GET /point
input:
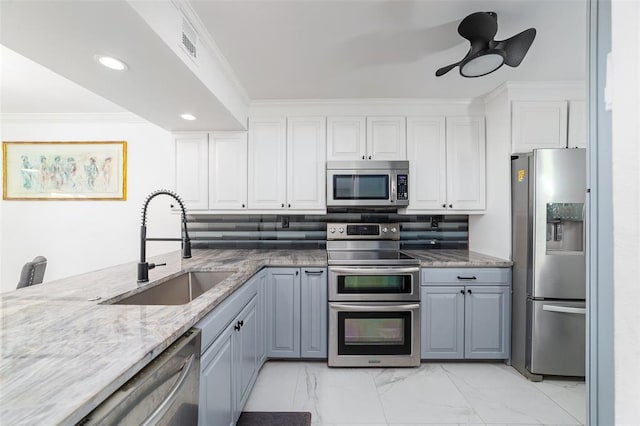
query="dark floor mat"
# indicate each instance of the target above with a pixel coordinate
(274, 418)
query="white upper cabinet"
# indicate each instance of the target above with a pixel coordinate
(191, 160)
(346, 138)
(267, 164)
(306, 170)
(228, 170)
(370, 138)
(447, 171)
(386, 138)
(540, 124)
(466, 164)
(426, 148)
(577, 124)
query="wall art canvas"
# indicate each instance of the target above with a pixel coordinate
(64, 170)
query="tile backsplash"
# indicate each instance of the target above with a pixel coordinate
(309, 231)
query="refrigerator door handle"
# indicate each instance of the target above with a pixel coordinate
(564, 309)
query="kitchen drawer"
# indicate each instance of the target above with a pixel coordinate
(216, 321)
(465, 276)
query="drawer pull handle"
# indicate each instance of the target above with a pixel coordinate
(313, 272)
(467, 278)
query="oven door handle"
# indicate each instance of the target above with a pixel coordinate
(364, 307)
(364, 271)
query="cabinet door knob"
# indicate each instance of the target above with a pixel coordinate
(289, 205)
(297, 272)
(363, 157)
(444, 206)
(241, 323)
(469, 291)
(369, 157)
(283, 205)
(462, 292)
(450, 206)
(243, 206)
(237, 326)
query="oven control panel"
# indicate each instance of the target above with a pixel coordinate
(363, 231)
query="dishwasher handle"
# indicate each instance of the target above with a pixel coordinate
(164, 406)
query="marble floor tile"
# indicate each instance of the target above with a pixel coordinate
(568, 394)
(501, 397)
(435, 394)
(338, 395)
(422, 395)
(275, 387)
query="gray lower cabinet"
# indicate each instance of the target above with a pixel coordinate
(216, 382)
(460, 320)
(230, 361)
(313, 313)
(283, 317)
(261, 312)
(442, 322)
(297, 313)
(279, 313)
(245, 353)
(487, 316)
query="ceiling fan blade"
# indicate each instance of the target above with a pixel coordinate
(516, 47)
(442, 71)
(479, 26)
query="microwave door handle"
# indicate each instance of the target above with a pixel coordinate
(393, 188)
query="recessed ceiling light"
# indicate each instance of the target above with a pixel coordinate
(112, 63)
(187, 117)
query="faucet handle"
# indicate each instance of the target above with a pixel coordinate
(153, 265)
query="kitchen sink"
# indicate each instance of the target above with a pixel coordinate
(177, 290)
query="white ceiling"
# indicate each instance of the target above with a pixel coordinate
(64, 36)
(385, 49)
(28, 87)
(304, 49)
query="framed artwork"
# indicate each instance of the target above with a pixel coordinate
(64, 170)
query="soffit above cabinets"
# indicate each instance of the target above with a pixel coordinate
(158, 86)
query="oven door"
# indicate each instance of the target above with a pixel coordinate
(361, 283)
(374, 334)
(361, 188)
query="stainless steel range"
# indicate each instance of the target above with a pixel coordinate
(374, 297)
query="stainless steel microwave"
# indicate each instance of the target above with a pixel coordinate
(367, 183)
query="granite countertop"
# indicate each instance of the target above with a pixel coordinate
(62, 352)
(457, 259)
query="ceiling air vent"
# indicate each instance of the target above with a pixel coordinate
(189, 39)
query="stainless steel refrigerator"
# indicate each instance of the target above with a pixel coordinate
(548, 190)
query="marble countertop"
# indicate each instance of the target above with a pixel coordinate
(62, 351)
(457, 259)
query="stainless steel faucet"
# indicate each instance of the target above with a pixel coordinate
(143, 266)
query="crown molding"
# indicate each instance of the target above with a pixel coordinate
(534, 86)
(362, 101)
(116, 117)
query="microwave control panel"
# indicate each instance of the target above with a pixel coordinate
(403, 187)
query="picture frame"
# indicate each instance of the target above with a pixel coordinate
(64, 171)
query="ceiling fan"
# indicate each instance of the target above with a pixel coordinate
(486, 54)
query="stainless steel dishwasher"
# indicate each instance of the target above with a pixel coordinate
(165, 392)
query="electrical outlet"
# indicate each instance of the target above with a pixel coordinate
(434, 222)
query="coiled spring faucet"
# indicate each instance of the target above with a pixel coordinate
(143, 266)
